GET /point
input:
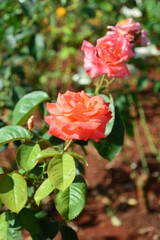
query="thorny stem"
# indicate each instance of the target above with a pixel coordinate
(146, 131)
(137, 135)
(68, 144)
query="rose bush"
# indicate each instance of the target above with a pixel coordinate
(78, 116)
(108, 56)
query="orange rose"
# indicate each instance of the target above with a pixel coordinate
(78, 116)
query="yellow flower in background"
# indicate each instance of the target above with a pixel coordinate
(60, 11)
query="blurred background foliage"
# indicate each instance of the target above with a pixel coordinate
(40, 44)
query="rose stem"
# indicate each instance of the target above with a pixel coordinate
(68, 144)
(98, 87)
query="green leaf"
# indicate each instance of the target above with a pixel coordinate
(29, 222)
(13, 133)
(109, 147)
(26, 105)
(26, 156)
(78, 157)
(13, 191)
(68, 233)
(46, 153)
(110, 124)
(62, 171)
(14, 234)
(3, 227)
(70, 202)
(43, 191)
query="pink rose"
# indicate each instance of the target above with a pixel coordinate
(108, 56)
(127, 28)
(131, 30)
(78, 116)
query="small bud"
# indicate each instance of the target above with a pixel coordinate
(30, 123)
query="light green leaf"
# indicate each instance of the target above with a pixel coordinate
(62, 171)
(13, 191)
(70, 202)
(3, 226)
(26, 156)
(110, 124)
(43, 191)
(46, 153)
(79, 157)
(26, 105)
(13, 133)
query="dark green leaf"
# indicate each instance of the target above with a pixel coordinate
(13, 133)
(68, 233)
(109, 147)
(26, 105)
(49, 229)
(70, 202)
(29, 222)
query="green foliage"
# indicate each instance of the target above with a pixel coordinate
(78, 157)
(13, 191)
(44, 190)
(29, 222)
(46, 153)
(27, 156)
(49, 229)
(68, 233)
(61, 171)
(3, 226)
(9, 227)
(70, 202)
(110, 124)
(13, 133)
(27, 105)
(40, 50)
(110, 146)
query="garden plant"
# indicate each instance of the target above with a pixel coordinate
(46, 164)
